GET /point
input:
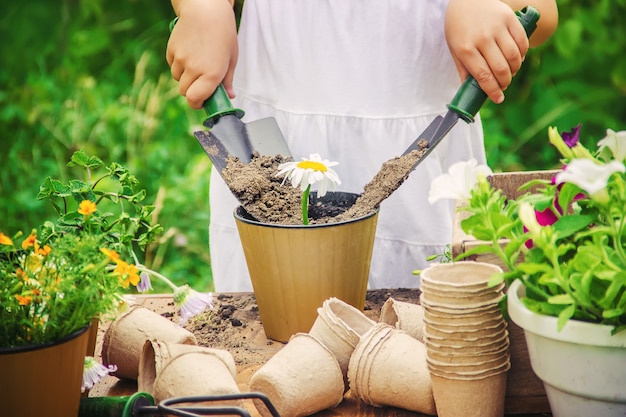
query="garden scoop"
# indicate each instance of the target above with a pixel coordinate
(464, 105)
(229, 137)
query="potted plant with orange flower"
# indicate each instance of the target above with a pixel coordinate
(57, 279)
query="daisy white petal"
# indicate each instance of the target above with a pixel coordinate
(191, 302)
(94, 371)
(311, 171)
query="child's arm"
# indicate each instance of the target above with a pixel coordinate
(202, 49)
(487, 40)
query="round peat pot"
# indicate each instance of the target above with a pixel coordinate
(582, 366)
(43, 379)
(295, 268)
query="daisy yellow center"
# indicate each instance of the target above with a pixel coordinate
(315, 166)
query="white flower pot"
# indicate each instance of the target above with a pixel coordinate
(583, 367)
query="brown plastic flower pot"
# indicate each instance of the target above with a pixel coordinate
(43, 380)
(294, 268)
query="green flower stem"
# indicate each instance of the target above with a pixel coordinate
(305, 205)
(156, 274)
(95, 184)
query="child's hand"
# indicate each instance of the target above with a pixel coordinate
(202, 49)
(486, 40)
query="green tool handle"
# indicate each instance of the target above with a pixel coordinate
(218, 104)
(125, 406)
(470, 97)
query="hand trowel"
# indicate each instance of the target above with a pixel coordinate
(464, 105)
(228, 136)
(466, 102)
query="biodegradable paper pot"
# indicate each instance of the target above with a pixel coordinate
(295, 268)
(501, 363)
(444, 288)
(339, 326)
(300, 379)
(157, 354)
(470, 398)
(461, 357)
(493, 332)
(468, 275)
(405, 316)
(389, 367)
(466, 304)
(124, 340)
(195, 373)
(43, 380)
(461, 299)
(453, 322)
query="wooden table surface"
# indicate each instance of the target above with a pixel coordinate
(525, 395)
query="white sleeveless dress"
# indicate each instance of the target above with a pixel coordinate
(356, 82)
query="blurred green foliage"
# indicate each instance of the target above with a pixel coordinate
(578, 76)
(91, 74)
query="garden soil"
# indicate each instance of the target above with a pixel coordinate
(233, 324)
(269, 199)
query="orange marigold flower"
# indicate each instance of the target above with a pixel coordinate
(45, 251)
(5, 240)
(114, 256)
(19, 272)
(24, 300)
(30, 240)
(128, 274)
(87, 207)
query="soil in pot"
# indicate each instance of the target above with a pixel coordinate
(268, 200)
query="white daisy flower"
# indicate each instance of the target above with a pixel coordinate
(93, 371)
(191, 302)
(307, 172)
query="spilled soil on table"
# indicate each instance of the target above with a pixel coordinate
(233, 324)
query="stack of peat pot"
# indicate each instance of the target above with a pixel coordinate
(466, 339)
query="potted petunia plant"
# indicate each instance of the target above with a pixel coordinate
(294, 267)
(564, 245)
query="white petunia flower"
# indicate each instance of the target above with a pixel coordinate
(191, 302)
(616, 142)
(588, 175)
(458, 182)
(93, 371)
(307, 172)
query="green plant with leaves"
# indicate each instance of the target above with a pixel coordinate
(81, 264)
(121, 218)
(49, 291)
(565, 240)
